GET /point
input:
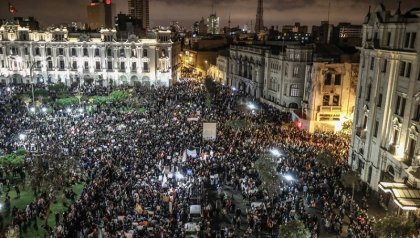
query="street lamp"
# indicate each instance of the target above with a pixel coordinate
(288, 177)
(22, 136)
(275, 152)
(252, 106)
(32, 109)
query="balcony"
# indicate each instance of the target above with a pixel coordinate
(361, 132)
(330, 108)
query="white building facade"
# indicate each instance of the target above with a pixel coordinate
(385, 141)
(284, 75)
(60, 56)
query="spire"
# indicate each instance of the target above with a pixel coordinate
(398, 12)
(229, 21)
(259, 23)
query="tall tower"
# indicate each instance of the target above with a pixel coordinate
(259, 23)
(139, 9)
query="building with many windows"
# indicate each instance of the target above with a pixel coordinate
(329, 96)
(385, 140)
(58, 55)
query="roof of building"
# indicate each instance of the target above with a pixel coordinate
(406, 197)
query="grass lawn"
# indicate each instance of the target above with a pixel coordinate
(26, 197)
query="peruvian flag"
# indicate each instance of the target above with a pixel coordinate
(12, 9)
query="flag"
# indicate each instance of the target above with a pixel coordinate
(12, 9)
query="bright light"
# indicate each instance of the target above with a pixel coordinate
(8, 89)
(80, 110)
(233, 89)
(339, 124)
(275, 152)
(32, 109)
(288, 177)
(400, 150)
(252, 106)
(44, 109)
(22, 136)
(68, 110)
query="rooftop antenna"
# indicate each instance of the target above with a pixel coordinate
(229, 21)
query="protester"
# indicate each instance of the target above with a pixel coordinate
(144, 169)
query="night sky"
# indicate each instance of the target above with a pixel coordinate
(276, 12)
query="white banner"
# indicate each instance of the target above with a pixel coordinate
(209, 131)
(192, 153)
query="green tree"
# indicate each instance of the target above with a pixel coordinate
(211, 86)
(350, 179)
(294, 229)
(100, 100)
(267, 172)
(119, 96)
(67, 101)
(13, 160)
(394, 227)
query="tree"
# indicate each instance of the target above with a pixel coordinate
(67, 101)
(326, 159)
(350, 179)
(267, 172)
(26, 99)
(119, 96)
(211, 86)
(294, 229)
(14, 160)
(394, 226)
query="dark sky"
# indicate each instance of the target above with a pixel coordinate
(276, 12)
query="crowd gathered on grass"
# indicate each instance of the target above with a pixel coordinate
(141, 157)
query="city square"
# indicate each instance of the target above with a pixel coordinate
(121, 127)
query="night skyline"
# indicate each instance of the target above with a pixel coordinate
(276, 12)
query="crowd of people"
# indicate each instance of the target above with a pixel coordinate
(143, 170)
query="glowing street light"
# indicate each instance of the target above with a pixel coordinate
(288, 177)
(68, 110)
(275, 152)
(252, 106)
(22, 136)
(44, 109)
(32, 109)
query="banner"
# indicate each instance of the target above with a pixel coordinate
(192, 153)
(209, 131)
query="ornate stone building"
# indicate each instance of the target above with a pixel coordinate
(385, 141)
(329, 96)
(246, 68)
(58, 55)
(268, 73)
